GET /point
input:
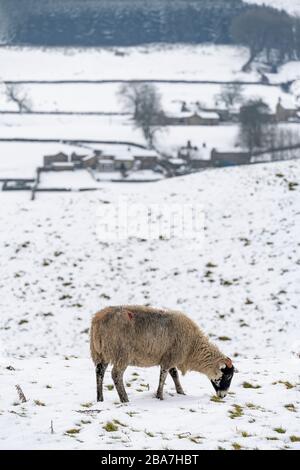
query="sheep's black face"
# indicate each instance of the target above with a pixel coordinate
(222, 384)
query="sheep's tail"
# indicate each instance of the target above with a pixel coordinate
(95, 341)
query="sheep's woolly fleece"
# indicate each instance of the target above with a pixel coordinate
(241, 285)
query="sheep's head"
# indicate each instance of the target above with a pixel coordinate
(223, 378)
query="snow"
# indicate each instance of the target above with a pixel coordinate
(20, 160)
(291, 6)
(208, 114)
(67, 179)
(70, 127)
(240, 284)
(201, 62)
(104, 98)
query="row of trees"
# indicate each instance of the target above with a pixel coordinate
(118, 22)
(267, 32)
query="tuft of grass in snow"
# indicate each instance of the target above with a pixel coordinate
(291, 407)
(280, 430)
(132, 413)
(110, 427)
(249, 385)
(39, 403)
(292, 185)
(287, 384)
(236, 446)
(118, 423)
(72, 431)
(224, 338)
(236, 412)
(252, 406)
(109, 387)
(295, 438)
(196, 439)
(87, 405)
(216, 399)
(211, 265)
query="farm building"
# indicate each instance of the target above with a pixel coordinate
(58, 158)
(229, 157)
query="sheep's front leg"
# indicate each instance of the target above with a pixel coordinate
(175, 376)
(100, 371)
(117, 376)
(162, 379)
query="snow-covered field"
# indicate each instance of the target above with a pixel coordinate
(182, 62)
(159, 62)
(104, 98)
(116, 128)
(241, 285)
(20, 160)
(152, 62)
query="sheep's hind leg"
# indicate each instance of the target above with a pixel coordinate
(100, 371)
(117, 376)
(162, 379)
(175, 376)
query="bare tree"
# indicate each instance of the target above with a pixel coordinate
(231, 94)
(130, 95)
(255, 123)
(17, 95)
(144, 102)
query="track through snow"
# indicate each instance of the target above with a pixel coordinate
(241, 286)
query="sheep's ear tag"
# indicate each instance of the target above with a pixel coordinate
(228, 363)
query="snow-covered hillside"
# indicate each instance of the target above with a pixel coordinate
(241, 285)
(153, 61)
(291, 6)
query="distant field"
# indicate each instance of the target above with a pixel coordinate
(104, 98)
(183, 62)
(162, 62)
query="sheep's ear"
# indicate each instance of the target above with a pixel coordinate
(228, 362)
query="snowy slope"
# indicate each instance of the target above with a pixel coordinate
(291, 6)
(241, 285)
(183, 62)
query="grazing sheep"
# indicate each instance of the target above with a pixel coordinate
(144, 337)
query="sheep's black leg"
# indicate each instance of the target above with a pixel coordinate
(100, 371)
(175, 376)
(117, 376)
(162, 379)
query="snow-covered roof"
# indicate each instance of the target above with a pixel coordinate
(179, 114)
(124, 157)
(207, 114)
(63, 164)
(178, 161)
(106, 162)
(87, 158)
